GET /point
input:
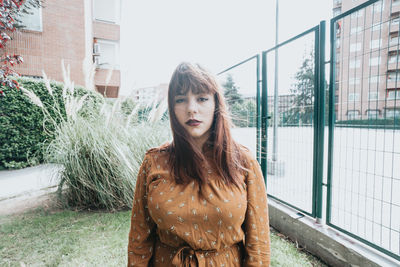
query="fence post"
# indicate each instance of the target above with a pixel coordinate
(321, 118)
(264, 115)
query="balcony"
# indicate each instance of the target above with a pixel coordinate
(394, 26)
(392, 83)
(395, 8)
(393, 66)
(394, 46)
(392, 103)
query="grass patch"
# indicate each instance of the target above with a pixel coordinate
(82, 238)
(286, 253)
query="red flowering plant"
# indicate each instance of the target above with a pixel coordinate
(9, 22)
(8, 11)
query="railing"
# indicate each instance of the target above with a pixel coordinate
(364, 154)
(363, 117)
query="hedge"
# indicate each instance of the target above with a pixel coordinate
(22, 133)
(388, 123)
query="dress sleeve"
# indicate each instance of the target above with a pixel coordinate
(142, 231)
(256, 223)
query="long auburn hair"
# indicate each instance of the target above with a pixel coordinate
(185, 158)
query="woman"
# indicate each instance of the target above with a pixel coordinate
(201, 200)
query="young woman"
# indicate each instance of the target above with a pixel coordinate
(200, 200)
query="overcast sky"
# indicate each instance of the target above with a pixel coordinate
(156, 35)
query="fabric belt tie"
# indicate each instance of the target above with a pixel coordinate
(188, 257)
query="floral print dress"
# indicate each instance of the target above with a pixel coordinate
(175, 225)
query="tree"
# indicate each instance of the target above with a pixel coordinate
(9, 22)
(243, 111)
(302, 109)
(231, 93)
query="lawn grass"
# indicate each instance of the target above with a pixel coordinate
(73, 238)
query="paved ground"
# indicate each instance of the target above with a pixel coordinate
(26, 188)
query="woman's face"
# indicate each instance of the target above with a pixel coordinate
(195, 112)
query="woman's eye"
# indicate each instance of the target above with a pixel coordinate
(179, 100)
(203, 99)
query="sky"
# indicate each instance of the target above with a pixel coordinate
(156, 35)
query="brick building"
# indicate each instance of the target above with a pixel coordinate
(367, 60)
(82, 33)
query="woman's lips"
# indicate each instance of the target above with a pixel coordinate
(193, 122)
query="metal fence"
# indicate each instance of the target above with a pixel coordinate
(241, 85)
(294, 135)
(364, 138)
(361, 155)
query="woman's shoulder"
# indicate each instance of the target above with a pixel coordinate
(162, 149)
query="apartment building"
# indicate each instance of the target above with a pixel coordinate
(367, 60)
(148, 95)
(80, 32)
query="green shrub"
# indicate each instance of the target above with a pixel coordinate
(101, 158)
(389, 123)
(100, 150)
(23, 129)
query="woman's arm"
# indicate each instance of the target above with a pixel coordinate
(142, 231)
(256, 224)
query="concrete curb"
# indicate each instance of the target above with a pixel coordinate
(323, 241)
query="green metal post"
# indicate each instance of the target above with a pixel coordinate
(315, 124)
(331, 118)
(258, 122)
(264, 114)
(321, 120)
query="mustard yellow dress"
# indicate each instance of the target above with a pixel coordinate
(173, 225)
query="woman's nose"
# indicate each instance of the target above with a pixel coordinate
(192, 106)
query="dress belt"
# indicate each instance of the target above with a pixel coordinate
(188, 257)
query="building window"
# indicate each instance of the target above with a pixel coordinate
(373, 79)
(392, 113)
(356, 14)
(375, 61)
(394, 40)
(393, 58)
(372, 114)
(355, 30)
(393, 94)
(353, 97)
(108, 54)
(395, 21)
(32, 21)
(377, 26)
(355, 63)
(377, 7)
(353, 81)
(353, 115)
(395, 2)
(355, 47)
(392, 76)
(338, 43)
(372, 95)
(106, 10)
(337, 2)
(337, 11)
(376, 43)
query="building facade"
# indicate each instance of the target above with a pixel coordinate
(148, 95)
(367, 60)
(84, 34)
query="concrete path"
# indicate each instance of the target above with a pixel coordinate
(26, 188)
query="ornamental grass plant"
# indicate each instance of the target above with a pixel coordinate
(100, 152)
